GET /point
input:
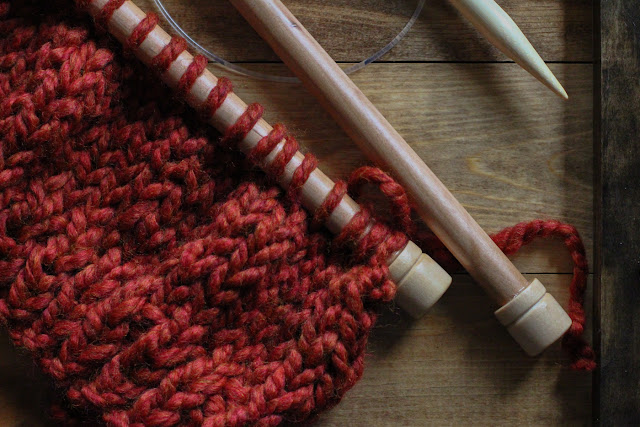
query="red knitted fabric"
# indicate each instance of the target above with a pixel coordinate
(152, 273)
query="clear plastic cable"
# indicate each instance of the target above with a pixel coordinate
(283, 79)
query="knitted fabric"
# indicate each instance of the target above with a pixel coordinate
(152, 272)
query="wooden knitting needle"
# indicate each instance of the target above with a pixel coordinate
(498, 27)
(531, 315)
(421, 281)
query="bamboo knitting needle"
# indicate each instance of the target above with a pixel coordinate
(531, 315)
(421, 281)
(498, 27)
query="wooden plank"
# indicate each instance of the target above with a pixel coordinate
(352, 31)
(506, 147)
(456, 366)
(618, 381)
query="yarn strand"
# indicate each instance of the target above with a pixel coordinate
(510, 240)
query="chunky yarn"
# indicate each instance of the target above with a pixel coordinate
(151, 272)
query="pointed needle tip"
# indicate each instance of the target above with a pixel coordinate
(559, 90)
(550, 81)
(564, 96)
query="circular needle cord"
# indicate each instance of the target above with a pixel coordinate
(284, 79)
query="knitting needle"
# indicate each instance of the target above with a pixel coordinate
(421, 281)
(531, 315)
(498, 27)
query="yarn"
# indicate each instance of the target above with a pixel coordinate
(152, 272)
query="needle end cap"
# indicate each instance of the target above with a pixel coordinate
(534, 318)
(423, 282)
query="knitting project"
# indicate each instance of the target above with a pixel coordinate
(154, 274)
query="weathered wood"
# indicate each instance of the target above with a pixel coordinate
(353, 30)
(618, 381)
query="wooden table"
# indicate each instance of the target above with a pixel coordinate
(507, 147)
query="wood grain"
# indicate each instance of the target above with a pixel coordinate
(560, 30)
(618, 385)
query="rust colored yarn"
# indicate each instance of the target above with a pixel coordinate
(151, 272)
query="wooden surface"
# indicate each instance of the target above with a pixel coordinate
(618, 381)
(507, 148)
(560, 30)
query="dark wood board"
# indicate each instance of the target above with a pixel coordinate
(351, 30)
(617, 388)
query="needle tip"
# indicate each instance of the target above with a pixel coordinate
(552, 83)
(498, 27)
(562, 93)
